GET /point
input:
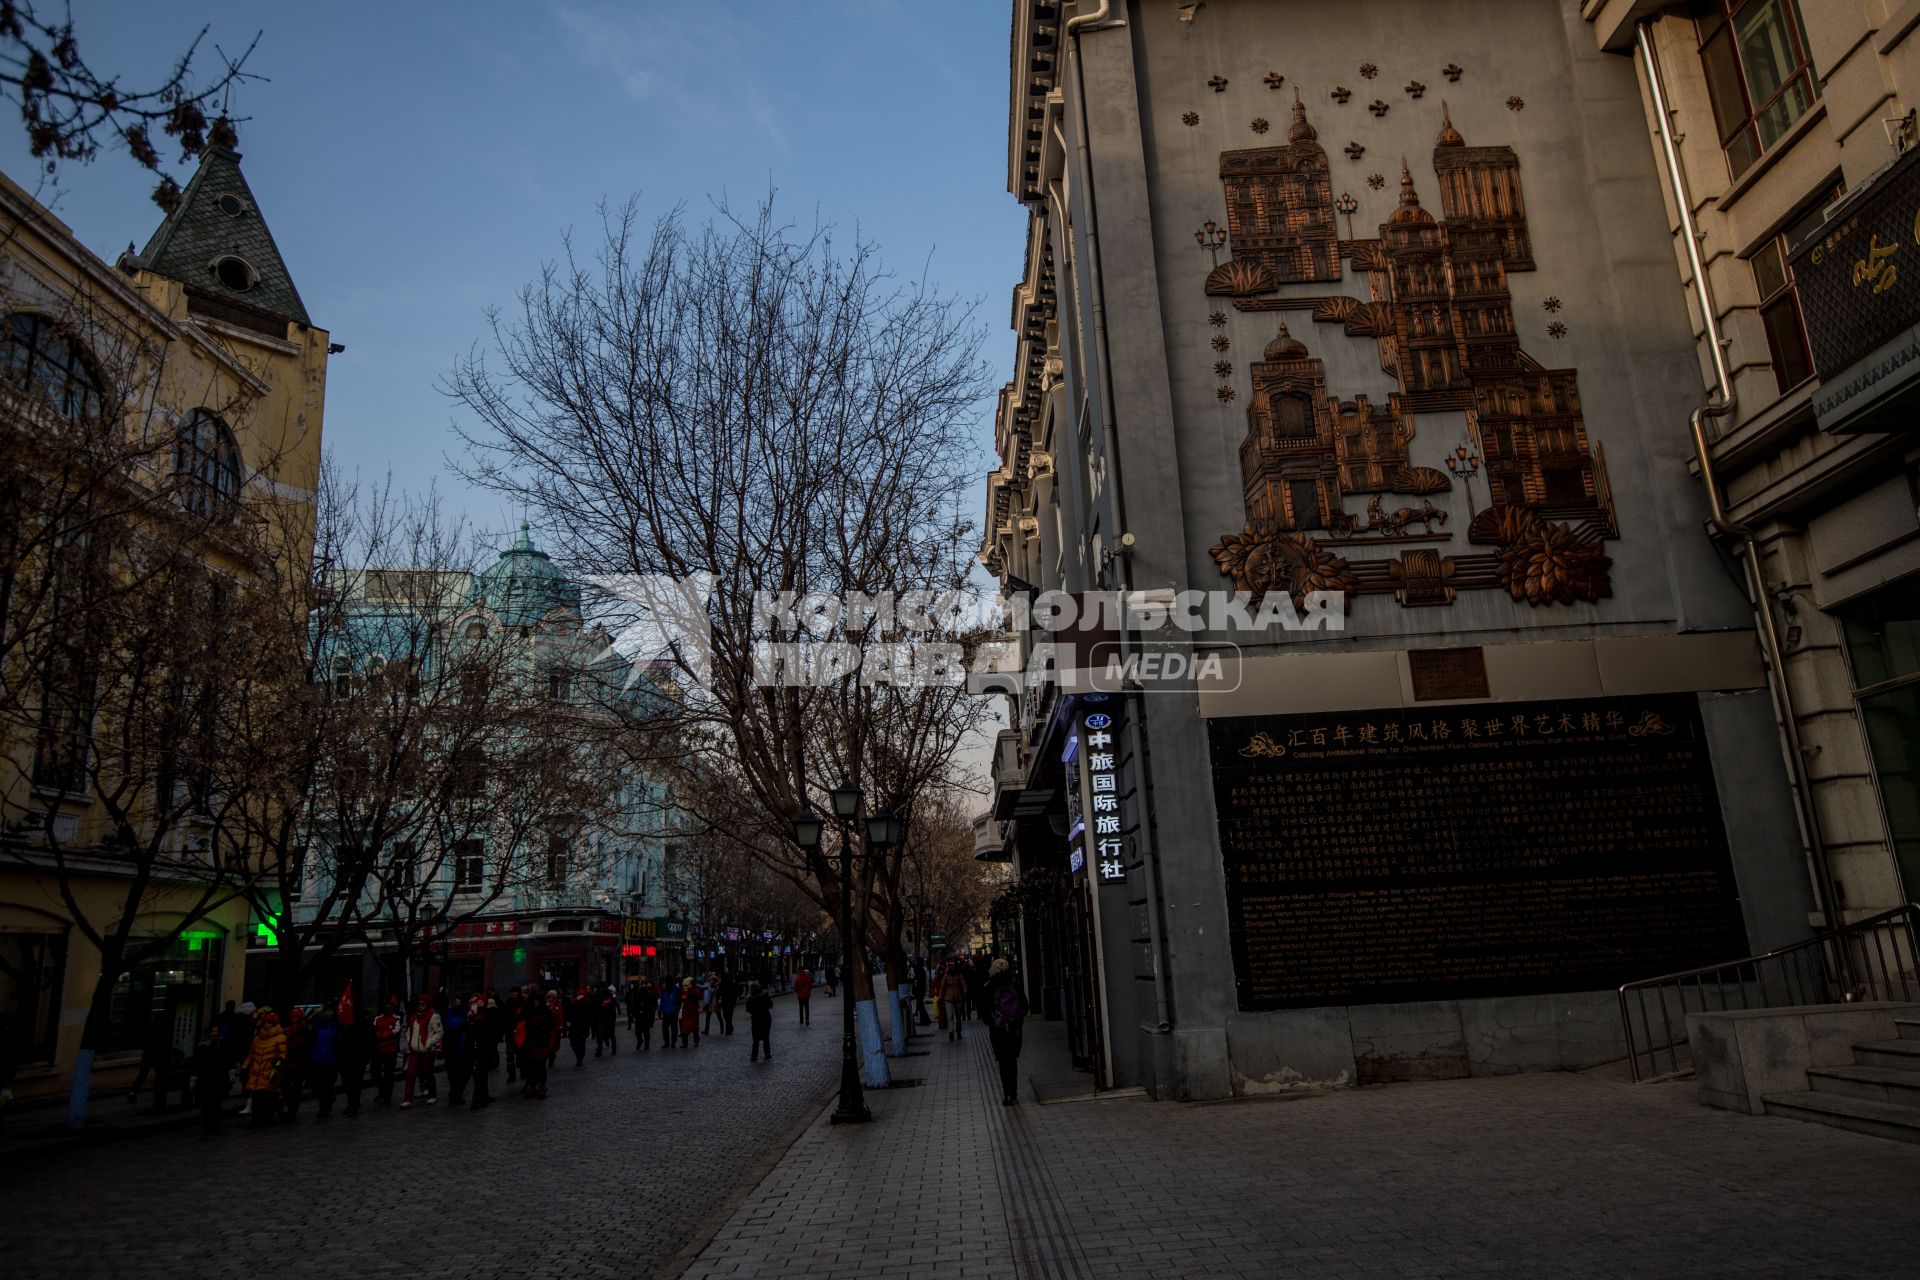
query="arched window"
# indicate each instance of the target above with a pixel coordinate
(476, 630)
(37, 355)
(206, 467)
(343, 677)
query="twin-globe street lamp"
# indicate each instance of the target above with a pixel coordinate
(883, 832)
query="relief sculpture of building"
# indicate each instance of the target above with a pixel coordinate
(1440, 310)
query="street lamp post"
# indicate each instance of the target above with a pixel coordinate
(806, 830)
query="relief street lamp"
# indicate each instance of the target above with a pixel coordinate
(1346, 204)
(1212, 237)
(1463, 464)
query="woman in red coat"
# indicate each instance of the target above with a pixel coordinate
(689, 1013)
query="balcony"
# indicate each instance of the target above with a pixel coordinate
(990, 839)
(1010, 756)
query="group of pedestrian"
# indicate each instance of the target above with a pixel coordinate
(335, 1053)
(688, 1008)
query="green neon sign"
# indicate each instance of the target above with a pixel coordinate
(267, 930)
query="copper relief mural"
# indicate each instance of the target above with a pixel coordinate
(1324, 474)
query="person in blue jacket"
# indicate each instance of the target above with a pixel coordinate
(669, 1012)
(323, 1060)
(456, 1049)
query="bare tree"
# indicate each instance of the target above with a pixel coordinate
(411, 766)
(758, 410)
(956, 889)
(70, 109)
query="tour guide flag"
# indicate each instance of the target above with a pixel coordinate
(346, 1004)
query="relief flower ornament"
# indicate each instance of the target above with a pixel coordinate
(1542, 562)
(1263, 560)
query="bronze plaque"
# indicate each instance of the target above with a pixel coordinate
(1442, 674)
(1503, 849)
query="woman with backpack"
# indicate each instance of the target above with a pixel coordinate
(1005, 1006)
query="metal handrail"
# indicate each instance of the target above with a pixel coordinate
(1830, 968)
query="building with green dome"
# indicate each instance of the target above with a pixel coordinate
(492, 899)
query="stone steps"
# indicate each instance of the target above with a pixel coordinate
(1875, 1084)
(1881, 1119)
(1878, 1094)
(1902, 1055)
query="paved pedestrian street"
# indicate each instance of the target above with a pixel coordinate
(613, 1175)
(637, 1165)
(1534, 1175)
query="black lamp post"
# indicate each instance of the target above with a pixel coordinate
(806, 829)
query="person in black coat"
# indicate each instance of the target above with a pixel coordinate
(484, 1034)
(579, 1022)
(606, 1021)
(1004, 1007)
(209, 1067)
(760, 1021)
(354, 1050)
(729, 997)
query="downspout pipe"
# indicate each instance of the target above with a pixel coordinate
(1101, 19)
(1719, 404)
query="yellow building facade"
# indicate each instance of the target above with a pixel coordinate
(199, 350)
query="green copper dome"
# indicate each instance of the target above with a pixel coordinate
(523, 585)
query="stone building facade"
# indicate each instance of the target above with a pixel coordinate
(1793, 132)
(199, 350)
(1540, 759)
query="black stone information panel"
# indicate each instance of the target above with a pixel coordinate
(1505, 849)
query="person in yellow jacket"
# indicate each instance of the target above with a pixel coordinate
(268, 1051)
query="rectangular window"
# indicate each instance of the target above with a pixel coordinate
(1759, 75)
(556, 860)
(1304, 496)
(296, 873)
(469, 866)
(1883, 645)
(559, 686)
(1779, 303)
(403, 869)
(469, 774)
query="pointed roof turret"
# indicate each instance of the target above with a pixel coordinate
(1300, 130)
(1449, 136)
(216, 240)
(1409, 210)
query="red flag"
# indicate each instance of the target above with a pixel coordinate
(346, 1005)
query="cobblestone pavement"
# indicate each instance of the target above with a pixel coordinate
(629, 1163)
(1535, 1175)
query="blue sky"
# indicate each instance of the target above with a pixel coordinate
(417, 162)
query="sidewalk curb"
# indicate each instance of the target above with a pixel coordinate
(41, 1141)
(723, 1210)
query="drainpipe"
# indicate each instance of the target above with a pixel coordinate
(1100, 20)
(1719, 404)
